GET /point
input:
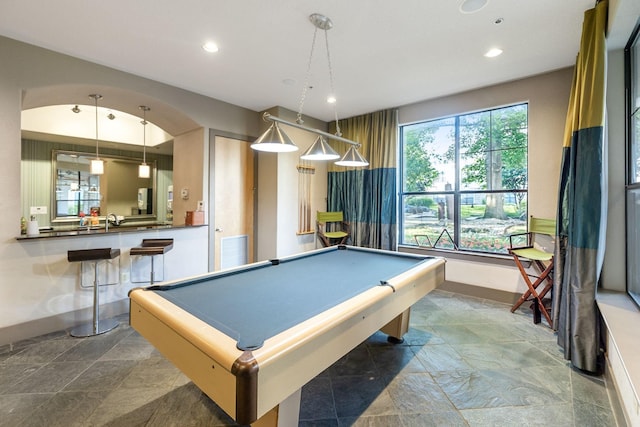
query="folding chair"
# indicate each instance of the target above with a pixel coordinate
(331, 228)
(539, 260)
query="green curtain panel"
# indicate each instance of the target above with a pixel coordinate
(581, 217)
(367, 196)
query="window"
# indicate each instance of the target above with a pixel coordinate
(464, 180)
(632, 69)
(76, 190)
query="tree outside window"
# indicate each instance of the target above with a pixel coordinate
(465, 180)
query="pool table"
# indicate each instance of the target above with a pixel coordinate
(252, 336)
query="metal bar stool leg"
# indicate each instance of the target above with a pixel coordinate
(151, 273)
(96, 327)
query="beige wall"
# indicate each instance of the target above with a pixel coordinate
(613, 272)
(189, 173)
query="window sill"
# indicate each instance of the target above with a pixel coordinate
(495, 259)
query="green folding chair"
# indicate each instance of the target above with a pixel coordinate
(331, 228)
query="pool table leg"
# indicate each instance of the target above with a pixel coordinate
(286, 414)
(397, 327)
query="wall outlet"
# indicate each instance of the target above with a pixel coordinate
(37, 210)
(184, 193)
(200, 205)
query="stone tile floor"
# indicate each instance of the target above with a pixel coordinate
(465, 362)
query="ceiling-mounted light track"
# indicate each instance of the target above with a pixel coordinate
(351, 158)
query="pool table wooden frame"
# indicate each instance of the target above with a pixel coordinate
(262, 387)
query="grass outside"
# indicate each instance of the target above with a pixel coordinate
(477, 233)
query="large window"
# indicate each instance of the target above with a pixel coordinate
(632, 66)
(464, 180)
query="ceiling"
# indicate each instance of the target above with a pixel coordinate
(383, 53)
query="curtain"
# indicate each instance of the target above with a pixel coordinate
(367, 196)
(581, 216)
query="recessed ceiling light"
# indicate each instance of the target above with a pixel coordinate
(471, 6)
(210, 47)
(331, 99)
(492, 53)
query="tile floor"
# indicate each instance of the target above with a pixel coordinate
(465, 362)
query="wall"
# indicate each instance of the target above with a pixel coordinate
(42, 285)
(548, 97)
(613, 271)
(190, 173)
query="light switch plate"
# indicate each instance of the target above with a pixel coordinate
(200, 205)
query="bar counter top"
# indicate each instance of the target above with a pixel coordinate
(101, 230)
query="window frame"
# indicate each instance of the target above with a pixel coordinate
(632, 83)
(457, 193)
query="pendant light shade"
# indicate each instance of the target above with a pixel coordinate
(352, 158)
(144, 171)
(96, 166)
(320, 150)
(274, 140)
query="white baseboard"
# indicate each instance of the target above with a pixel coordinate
(621, 317)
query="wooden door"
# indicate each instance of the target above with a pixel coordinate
(234, 202)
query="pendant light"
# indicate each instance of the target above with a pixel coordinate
(96, 166)
(144, 171)
(275, 140)
(352, 158)
(320, 150)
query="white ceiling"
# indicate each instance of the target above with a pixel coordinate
(384, 53)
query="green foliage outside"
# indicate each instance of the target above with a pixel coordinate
(492, 148)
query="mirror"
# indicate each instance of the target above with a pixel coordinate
(118, 191)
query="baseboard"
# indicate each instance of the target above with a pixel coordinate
(63, 321)
(620, 315)
(614, 396)
(480, 292)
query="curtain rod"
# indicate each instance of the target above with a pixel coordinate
(267, 116)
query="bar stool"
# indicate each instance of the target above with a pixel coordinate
(95, 256)
(151, 248)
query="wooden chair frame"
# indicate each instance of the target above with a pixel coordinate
(543, 283)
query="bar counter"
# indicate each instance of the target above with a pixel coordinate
(83, 231)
